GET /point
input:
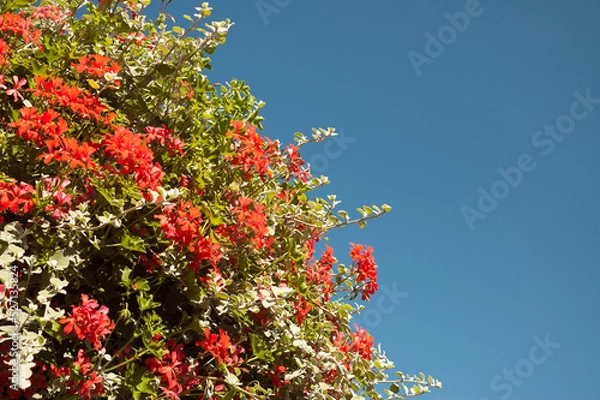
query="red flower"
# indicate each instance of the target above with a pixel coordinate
(302, 309)
(83, 362)
(362, 343)
(88, 321)
(165, 138)
(57, 92)
(132, 155)
(277, 377)
(16, 198)
(4, 50)
(36, 127)
(86, 387)
(53, 13)
(182, 223)
(17, 84)
(69, 150)
(295, 162)
(366, 269)
(58, 372)
(53, 188)
(252, 217)
(171, 368)
(20, 26)
(253, 152)
(320, 272)
(96, 65)
(220, 347)
(128, 149)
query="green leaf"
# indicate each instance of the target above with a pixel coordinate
(260, 349)
(141, 285)
(105, 193)
(229, 395)
(14, 4)
(125, 273)
(133, 243)
(146, 303)
(140, 382)
(145, 386)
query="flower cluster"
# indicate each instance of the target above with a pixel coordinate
(36, 126)
(165, 138)
(251, 216)
(88, 321)
(89, 383)
(56, 92)
(15, 198)
(295, 163)
(182, 223)
(133, 156)
(366, 269)
(220, 347)
(171, 368)
(96, 65)
(70, 151)
(359, 343)
(52, 13)
(320, 272)
(252, 151)
(55, 190)
(19, 26)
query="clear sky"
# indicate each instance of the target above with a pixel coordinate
(483, 133)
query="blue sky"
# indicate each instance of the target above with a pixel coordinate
(471, 289)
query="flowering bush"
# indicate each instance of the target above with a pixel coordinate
(153, 244)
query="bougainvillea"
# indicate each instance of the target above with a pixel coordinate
(153, 243)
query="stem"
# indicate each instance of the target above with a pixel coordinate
(129, 360)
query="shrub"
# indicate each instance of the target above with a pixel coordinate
(153, 243)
